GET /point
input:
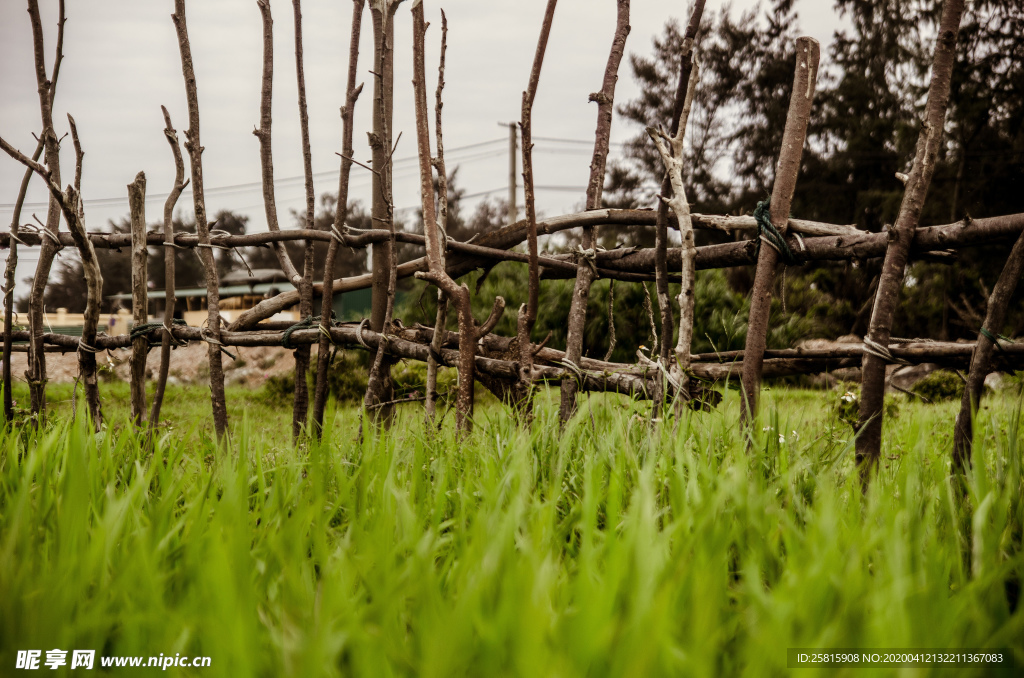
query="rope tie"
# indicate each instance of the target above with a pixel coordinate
(766, 232)
(880, 351)
(996, 338)
(800, 241)
(173, 244)
(338, 235)
(82, 346)
(51, 236)
(589, 257)
(359, 333)
(286, 338)
(143, 330)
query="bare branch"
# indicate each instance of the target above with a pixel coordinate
(263, 133)
(585, 274)
(168, 236)
(195, 151)
(528, 313)
(340, 216)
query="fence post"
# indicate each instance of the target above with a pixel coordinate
(140, 296)
(869, 431)
(807, 53)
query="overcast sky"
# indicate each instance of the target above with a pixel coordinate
(121, 62)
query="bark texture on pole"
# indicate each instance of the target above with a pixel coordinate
(263, 133)
(9, 282)
(585, 274)
(140, 297)
(195, 151)
(804, 80)
(69, 203)
(528, 311)
(168, 236)
(869, 437)
(379, 388)
(457, 294)
(981, 361)
(670, 148)
(36, 374)
(340, 216)
(441, 316)
(74, 214)
(300, 408)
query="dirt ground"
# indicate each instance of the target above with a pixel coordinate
(189, 364)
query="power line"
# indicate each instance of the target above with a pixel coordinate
(234, 188)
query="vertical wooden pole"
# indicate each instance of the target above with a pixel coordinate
(140, 296)
(528, 311)
(380, 388)
(661, 227)
(585, 274)
(340, 215)
(74, 214)
(169, 259)
(869, 433)
(807, 54)
(9, 282)
(302, 353)
(195, 151)
(981, 361)
(36, 373)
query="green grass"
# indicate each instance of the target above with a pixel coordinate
(609, 549)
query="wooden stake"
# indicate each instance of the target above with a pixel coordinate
(340, 215)
(301, 405)
(140, 296)
(36, 374)
(981, 361)
(195, 151)
(9, 282)
(169, 259)
(869, 437)
(807, 53)
(661, 227)
(528, 311)
(585, 273)
(383, 265)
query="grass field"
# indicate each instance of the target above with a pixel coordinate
(610, 549)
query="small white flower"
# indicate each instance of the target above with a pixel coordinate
(767, 428)
(796, 436)
(848, 397)
(782, 439)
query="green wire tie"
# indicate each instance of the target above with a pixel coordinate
(767, 232)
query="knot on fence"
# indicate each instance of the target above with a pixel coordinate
(996, 339)
(308, 323)
(143, 330)
(766, 232)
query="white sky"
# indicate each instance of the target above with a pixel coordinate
(121, 63)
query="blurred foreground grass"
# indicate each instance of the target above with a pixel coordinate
(607, 549)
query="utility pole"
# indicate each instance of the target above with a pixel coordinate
(512, 152)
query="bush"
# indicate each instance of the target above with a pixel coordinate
(940, 385)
